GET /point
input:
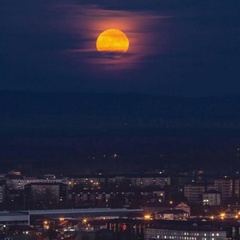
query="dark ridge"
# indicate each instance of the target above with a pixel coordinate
(43, 130)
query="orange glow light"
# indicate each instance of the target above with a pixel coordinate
(147, 216)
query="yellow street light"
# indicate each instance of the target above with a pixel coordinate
(147, 216)
(222, 215)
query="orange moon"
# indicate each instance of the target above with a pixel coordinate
(112, 43)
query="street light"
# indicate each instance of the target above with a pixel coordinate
(147, 217)
(222, 215)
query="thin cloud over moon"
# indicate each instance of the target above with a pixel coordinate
(88, 21)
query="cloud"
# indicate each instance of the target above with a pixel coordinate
(175, 46)
(88, 21)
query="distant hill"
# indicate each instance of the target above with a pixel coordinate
(63, 126)
(92, 114)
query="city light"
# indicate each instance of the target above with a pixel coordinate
(222, 215)
(147, 216)
(84, 220)
(46, 225)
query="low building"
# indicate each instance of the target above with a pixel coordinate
(211, 198)
(14, 218)
(2, 191)
(224, 186)
(46, 192)
(194, 229)
(19, 183)
(194, 192)
(144, 180)
(172, 214)
(20, 232)
(189, 230)
(184, 207)
(186, 234)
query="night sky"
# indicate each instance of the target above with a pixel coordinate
(173, 95)
(177, 47)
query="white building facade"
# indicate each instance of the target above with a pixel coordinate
(181, 234)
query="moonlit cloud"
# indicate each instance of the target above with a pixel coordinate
(176, 47)
(88, 21)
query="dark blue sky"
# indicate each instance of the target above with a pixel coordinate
(177, 47)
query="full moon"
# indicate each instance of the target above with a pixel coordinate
(112, 43)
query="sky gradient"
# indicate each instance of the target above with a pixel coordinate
(188, 48)
(76, 104)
